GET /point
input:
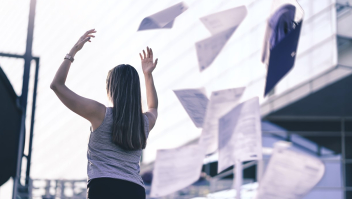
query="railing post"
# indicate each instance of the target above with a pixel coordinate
(238, 178)
(343, 156)
(260, 170)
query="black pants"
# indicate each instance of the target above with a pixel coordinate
(110, 188)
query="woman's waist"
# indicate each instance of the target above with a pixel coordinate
(115, 158)
(113, 166)
(113, 181)
(115, 173)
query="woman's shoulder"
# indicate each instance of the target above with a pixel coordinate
(106, 120)
(109, 113)
(109, 109)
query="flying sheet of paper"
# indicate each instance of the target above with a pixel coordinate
(221, 25)
(164, 18)
(281, 40)
(176, 169)
(195, 102)
(240, 135)
(289, 174)
(220, 103)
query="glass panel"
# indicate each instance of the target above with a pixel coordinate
(324, 144)
(348, 194)
(348, 145)
(326, 126)
(325, 194)
(348, 175)
(348, 126)
(333, 173)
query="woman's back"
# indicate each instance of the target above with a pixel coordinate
(115, 146)
(108, 160)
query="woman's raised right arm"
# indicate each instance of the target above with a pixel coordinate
(152, 99)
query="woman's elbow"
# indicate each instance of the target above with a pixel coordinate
(154, 112)
(53, 86)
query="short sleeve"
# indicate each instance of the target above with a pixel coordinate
(146, 125)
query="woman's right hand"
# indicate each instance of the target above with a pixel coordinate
(147, 61)
(82, 40)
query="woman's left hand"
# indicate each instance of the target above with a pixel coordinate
(82, 40)
(147, 61)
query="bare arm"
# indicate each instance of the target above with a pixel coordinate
(152, 99)
(89, 109)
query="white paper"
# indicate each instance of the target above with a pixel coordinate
(176, 169)
(221, 25)
(209, 48)
(240, 136)
(220, 103)
(164, 18)
(289, 175)
(195, 102)
(224, 20)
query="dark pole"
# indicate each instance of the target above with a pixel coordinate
(29, 156)
(24, 95)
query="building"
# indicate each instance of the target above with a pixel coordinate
(311, 104)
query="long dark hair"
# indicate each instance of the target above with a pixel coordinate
(123, 88)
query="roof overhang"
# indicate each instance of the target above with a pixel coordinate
(327, 95)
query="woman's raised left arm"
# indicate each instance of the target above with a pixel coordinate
(87, 108)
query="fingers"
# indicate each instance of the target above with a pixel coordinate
(156, 62)
(89, 32)
(84, 40)
(151, 53)
(87, 35)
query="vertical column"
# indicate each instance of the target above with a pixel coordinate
(238, 178)
(260, 170)
(34, 101)
(343, 156)
(24, 95)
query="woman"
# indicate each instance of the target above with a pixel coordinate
(118, 133)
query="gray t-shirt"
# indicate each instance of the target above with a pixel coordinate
(108, 160)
